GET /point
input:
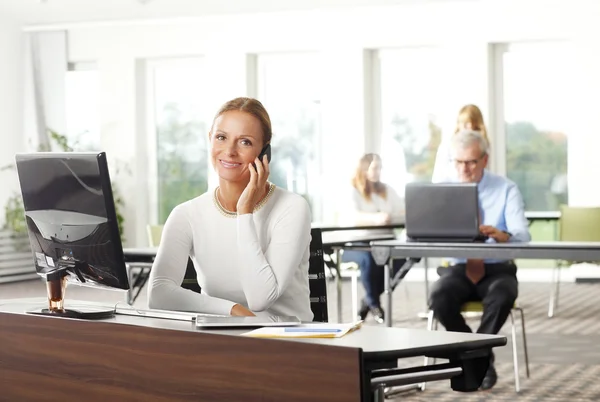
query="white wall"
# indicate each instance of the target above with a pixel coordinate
(11, 105)
(341, 36)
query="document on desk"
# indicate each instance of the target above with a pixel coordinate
(316, 330)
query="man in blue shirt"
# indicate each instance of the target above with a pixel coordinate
(502, 219)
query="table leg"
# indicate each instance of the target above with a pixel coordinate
(354, 295)
(338, 283)
(387, 282)
(426, 269)
(425, 314)
(129, 294)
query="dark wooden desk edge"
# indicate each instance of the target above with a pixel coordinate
(131, 362)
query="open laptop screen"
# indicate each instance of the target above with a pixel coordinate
(442, 211)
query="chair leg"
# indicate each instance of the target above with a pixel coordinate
(525, 351)
(431, 326)
(515, 353)
(554, 289)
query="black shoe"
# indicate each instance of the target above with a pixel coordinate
(364, 311)
(378, 314)
(490, 379)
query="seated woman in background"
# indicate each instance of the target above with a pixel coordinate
(249, 240)
(374, 203)
(469, 118)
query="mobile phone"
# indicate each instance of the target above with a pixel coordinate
(265, 151)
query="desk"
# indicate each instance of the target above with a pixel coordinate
(342, 228)
(333, 244)
(548, 216)
(385, 251)
(141, 259)
(128, 358)
(545, 216)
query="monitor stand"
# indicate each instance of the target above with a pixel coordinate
(56, 285)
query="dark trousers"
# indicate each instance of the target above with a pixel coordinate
(371, 274)
(497, 290)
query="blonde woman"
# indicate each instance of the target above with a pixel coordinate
(469, 118)
(374, 203)
(249, 240)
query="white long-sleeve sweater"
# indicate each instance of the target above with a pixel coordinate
(258, 260)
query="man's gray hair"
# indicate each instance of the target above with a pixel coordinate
(466, 138)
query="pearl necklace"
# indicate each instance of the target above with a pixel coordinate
(231, 214)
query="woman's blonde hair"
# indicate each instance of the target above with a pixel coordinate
(473, 114)
(362, 183)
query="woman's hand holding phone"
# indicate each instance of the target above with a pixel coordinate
(256, 188)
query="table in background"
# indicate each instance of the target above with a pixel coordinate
(130, 358)
(385, 251)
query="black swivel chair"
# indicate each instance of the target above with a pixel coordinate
(317, 281)
(316, 278)
(190, 280)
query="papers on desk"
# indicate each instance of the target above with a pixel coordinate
(324, 330)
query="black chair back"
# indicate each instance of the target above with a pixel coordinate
(316, 278)
(190, 280)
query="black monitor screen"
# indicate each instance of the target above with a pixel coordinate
(71, 217)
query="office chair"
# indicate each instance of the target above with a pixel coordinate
(139, 272)
(577, 225)
(477, 307)
(189, 280)
(317, 281)
(316, 275)
(154, 234)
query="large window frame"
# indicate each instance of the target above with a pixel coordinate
(498, 96)
(151, 122)
(259, 88)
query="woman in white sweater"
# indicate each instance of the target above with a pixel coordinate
(249, 240)
(374, 203)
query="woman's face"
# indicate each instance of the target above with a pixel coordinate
(374, 171)
(464, 123)
(236, 140)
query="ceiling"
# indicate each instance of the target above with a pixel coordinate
(36, 12)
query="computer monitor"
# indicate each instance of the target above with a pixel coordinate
(72, 226)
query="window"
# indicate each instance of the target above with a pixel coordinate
(536, 82)
(81, 97)
(288, 86)
(179, 102)
(421, 90)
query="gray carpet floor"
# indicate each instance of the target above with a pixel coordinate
(564, 351)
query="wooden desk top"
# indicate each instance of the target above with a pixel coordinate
(376, 342)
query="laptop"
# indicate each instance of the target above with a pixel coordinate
(246, 322)
(209, 320)
(447, 212)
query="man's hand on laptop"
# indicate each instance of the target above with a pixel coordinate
(496, 234)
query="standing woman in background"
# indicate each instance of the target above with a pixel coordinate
(374, 203)
(469, 118)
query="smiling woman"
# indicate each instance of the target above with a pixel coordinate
(249, 240)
